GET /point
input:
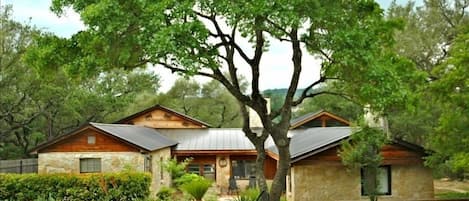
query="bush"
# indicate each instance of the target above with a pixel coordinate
(109, 186)
(250, 194)
(175, 169)
(164, 194)
(195, 185)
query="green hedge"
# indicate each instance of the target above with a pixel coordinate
(108, 186)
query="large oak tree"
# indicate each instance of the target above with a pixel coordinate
(207, 38)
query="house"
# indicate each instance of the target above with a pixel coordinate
(145, 139)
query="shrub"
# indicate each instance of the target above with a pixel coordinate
(195, 185)
(109, 186)
(175, 169)
(164, 194)
(249, 194)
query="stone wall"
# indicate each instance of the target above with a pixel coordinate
(223, 173)
(69, 162)
(331, 181)
(160, 177)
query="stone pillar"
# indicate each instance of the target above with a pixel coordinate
(223, 172)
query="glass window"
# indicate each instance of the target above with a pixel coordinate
(209, 171)
(147, 163)
(91, 139)
(243, 169)
(383, 181)
(193, 168)
(89, 165)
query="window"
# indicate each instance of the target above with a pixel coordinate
(193, 168)
(383, 180)
(91, 139)
(147, 163)
(243, 169)
(206, 170)
(209, 171)
(89, 165)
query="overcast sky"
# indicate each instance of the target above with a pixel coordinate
(277, 61)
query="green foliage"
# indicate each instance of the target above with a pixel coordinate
(452, 91)
(452, 195)
(176, 169)
(337, 105)
(362, 150)
(195, 185)
(41, 100)
(165, 194)
(250, 194)
(209, 102)
(110, 186)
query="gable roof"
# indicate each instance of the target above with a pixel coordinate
(160, 107)
(299, 121)
(308, 142)
(142, 137)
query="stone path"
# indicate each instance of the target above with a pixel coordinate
(226, 198)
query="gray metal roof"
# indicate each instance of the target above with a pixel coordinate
(308, 140)
(209, 139)
(141, 136)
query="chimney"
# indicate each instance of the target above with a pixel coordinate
(254, 119)
(374, 120)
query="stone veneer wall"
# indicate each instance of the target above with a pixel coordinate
(69, 162)
(160, 177)
(223, 173)
(331, 181)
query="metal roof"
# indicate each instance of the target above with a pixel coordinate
(141, 136)
(209, 139)
(308, 140)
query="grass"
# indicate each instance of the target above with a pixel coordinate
(447, 189)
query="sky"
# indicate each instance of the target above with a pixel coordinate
(274, 73)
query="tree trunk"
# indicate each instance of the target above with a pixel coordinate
(260, 176)
(278, 185)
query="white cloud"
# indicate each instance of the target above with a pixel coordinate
(37, 13)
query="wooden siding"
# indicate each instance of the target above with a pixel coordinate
(162, 119)
(323, 119)
(79, 143)
(392, 155)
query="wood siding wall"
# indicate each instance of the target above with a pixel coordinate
(79, 143)
(392, 154)
(162, 119)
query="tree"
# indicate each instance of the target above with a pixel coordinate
(428, 39)
(337, 105)
(362, 151)
(452, 90)
(204, 38)
(17, 82)
(425, 39)
(209, 102)
(39, 105)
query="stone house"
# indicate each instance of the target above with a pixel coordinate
(145, 139)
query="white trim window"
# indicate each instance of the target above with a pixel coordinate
(90, 165)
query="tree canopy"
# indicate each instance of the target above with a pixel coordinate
(39, 104)
(204, 37)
